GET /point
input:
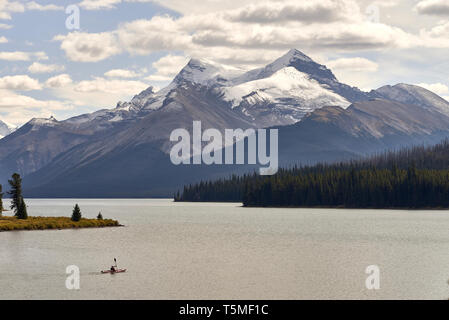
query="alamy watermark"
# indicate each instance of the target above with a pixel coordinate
(72, 281)
(189, 148)
(73, 20)
(372, 282)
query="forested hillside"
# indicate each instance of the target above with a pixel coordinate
(415, 177)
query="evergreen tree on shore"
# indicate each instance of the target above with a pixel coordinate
(17, 201)
(416, 177)
(76, 214)
(1, 200)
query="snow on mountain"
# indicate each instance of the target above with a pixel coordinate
(6, 129)
(206, 72)
(293, 58)
(49, 122)
(290, 92)
(411, 94)
(278, 94)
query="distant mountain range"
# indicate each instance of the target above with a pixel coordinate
(124, 152)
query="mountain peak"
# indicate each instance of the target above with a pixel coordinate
(43, 121)
(205, 72)
(295, 54)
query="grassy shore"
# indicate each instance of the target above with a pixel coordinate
(52, 223)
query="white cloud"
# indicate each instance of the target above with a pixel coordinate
(437, 88)
(104, 4)
(3, 40)
(325, 11)
(22, 56)
(37, 67)
(5, 26)
(100, 92)
(353, 64)
(121, 73)
(32, 5)
(436, 37)
(18, 108)
(433, 7)
(98, 4)
(19, 82)
(167, 67)
(89, 47)
(122, 87)
(260, 28)
(159, 33)
(8, 7)
(58, 81)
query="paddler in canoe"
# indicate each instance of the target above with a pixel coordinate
(114, 269)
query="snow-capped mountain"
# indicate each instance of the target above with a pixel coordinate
(6, 129)
(411, 94)
(128, 146)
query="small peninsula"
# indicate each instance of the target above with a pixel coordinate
(52, 223)
(22, 221)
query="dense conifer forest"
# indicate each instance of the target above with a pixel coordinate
(416, 177)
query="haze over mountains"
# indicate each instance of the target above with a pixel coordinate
(124, 151)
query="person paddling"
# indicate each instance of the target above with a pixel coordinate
(114, 268)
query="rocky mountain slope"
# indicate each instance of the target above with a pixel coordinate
(125, 151)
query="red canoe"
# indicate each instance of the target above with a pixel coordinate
(116, 271)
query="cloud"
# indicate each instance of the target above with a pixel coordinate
(3, 40)
(5, 26)
(436, 37)
(167, 67)
(121, 73)
(18, 109)
(433, 7)
(104, 4)
(8, 7)
(255, 29)
(37, 67)
(88, 47)
(437, 88)
(32, 5)
(58, 81)
(353, 64)
(122, 87)
(159, 33)
(22, 56)
(102, 91)
(325, 11)
(98, 4)
(19, 82)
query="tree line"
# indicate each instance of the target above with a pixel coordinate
(416, 177)
(18, 203)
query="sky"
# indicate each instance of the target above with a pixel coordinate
(64, 58)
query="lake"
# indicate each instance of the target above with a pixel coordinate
(224, 251)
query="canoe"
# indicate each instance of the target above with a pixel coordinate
(116, 271)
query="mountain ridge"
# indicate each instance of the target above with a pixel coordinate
(319, 118)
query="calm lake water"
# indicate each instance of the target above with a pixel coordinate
(224, 251)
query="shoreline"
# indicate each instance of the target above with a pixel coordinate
(8, 224)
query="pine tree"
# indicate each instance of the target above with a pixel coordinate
(23, 213)
(76, 214)
(1, 200)
(17, 202)
(100, 216)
